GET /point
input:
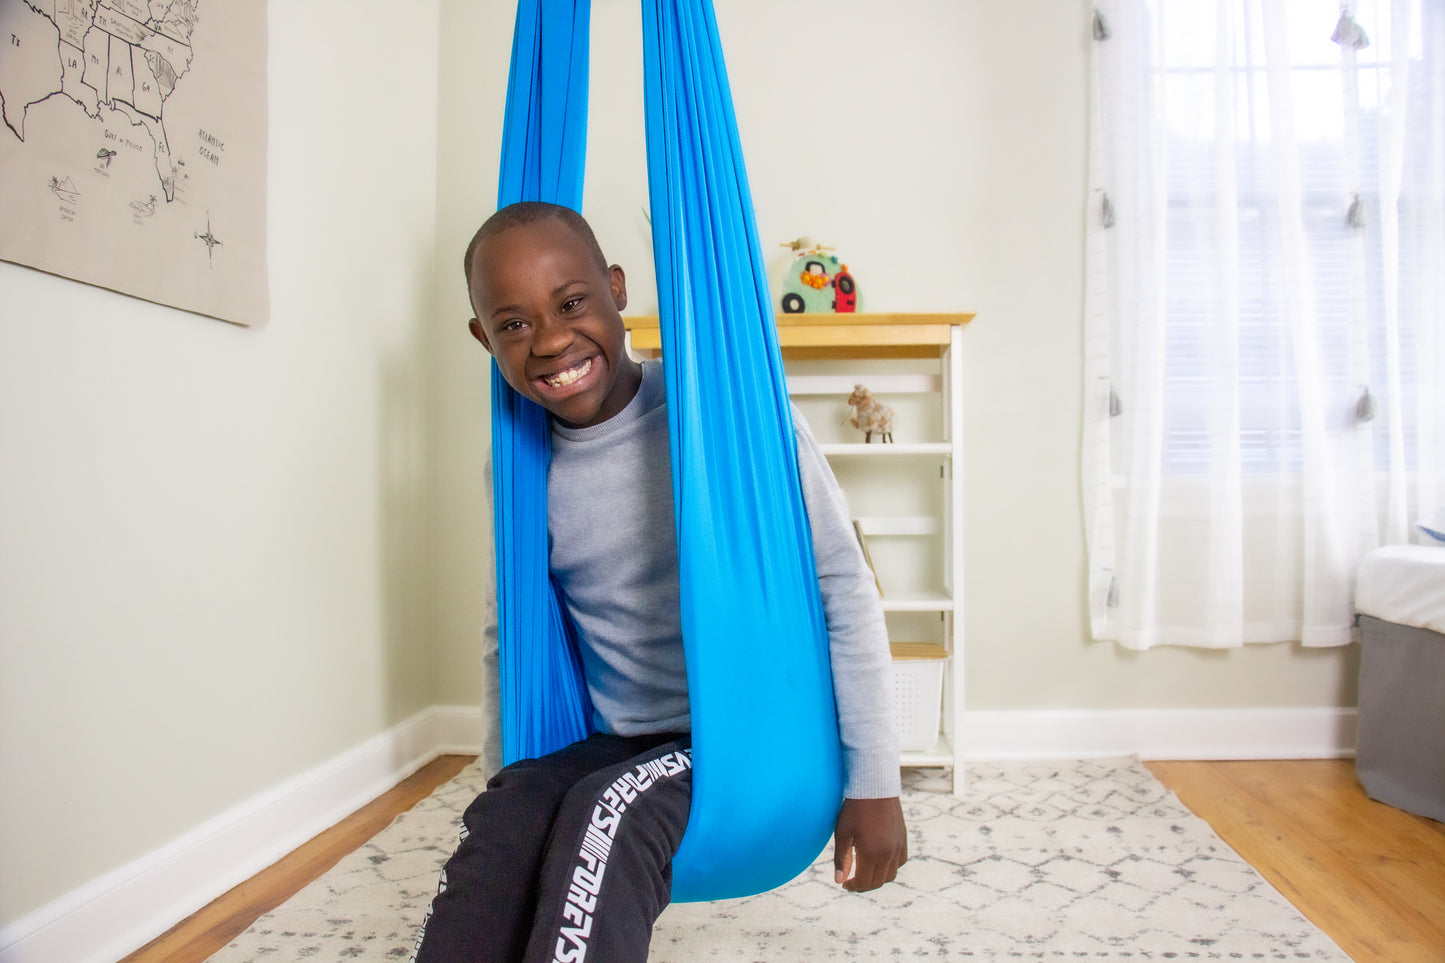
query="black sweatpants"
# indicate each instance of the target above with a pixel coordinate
(565, 858)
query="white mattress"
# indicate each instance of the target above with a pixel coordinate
(1404, 584)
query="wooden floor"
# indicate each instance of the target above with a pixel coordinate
(1371, 877)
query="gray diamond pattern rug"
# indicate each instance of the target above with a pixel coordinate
(1049, 861)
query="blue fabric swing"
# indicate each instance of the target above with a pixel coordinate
(767, 778)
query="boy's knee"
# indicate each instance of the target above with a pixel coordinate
(521, 790)
(658, 786)
(589, 800)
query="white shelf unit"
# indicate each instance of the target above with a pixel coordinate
(907, 497)
(908, 494)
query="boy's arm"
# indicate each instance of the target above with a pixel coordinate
(490, 757)
(870, 841)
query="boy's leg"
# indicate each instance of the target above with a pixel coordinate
(487, 897)
(607, 874)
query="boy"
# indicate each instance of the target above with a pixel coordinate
(547, 307)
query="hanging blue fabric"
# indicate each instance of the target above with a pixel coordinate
(544, 146)
(767, 778)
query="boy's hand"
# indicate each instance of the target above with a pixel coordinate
(870, 842)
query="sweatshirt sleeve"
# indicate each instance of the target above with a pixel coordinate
(490, 756)
(857, 634)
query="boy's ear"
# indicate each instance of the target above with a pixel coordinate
(480, 333)
(619, 286)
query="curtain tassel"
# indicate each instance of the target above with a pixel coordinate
(1113, 599)
(1365, 407)
(1347, 31)
(1116, 407)
(1106, 212)
(1356, 215)
(1101, 26)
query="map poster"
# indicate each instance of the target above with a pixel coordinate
(133, 148)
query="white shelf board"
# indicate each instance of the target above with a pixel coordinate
(939, 754)
(900, 524)
(842, 384)
(878, 450)
(917, 602)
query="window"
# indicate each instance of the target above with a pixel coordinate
(1265, 322)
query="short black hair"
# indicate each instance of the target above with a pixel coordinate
(529, 212)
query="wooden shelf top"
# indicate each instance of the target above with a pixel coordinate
(911, 651)
(837, 336)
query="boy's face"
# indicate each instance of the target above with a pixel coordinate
(549, 314)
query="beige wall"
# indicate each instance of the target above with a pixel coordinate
(941, 146)
(229, 554)
(212, 539)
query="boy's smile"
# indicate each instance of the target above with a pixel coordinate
(548, 310)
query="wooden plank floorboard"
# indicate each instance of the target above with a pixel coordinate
(198, 937)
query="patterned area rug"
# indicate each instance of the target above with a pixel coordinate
(1084, 860)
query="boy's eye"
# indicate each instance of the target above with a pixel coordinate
(571, 304)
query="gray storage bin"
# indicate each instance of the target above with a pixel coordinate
(1400, 753)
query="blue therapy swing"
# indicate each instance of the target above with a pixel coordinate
(767, 778)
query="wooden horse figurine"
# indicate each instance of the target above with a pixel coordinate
(870, 416)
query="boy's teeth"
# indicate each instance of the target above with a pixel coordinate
(570, 375)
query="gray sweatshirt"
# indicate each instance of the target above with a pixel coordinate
(613, 551)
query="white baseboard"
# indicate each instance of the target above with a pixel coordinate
(1322, 733)
(458, 730)
(128, 907)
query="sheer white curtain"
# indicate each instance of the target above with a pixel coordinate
(1265, 311)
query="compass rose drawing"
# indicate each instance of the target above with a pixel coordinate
(209, 240)
(64, 189)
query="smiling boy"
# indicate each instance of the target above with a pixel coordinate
(548, 308)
